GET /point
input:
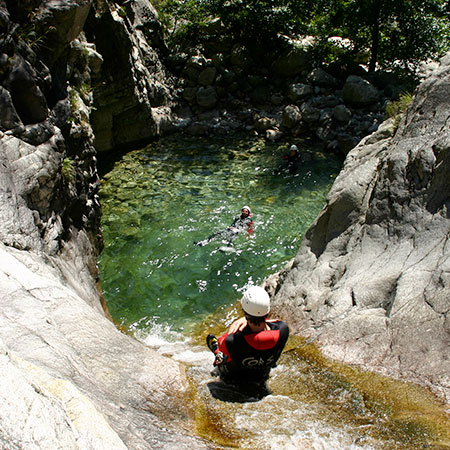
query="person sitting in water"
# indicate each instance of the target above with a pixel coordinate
(246, 355)
(292, 158)
(240, 223)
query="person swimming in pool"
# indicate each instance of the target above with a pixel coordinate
(243, 222)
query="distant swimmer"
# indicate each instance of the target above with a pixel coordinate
(243, 222)
(291, 161)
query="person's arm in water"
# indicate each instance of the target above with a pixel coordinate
(250, 227)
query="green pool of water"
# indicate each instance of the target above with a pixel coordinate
(158, 200)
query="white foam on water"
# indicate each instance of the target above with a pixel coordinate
(172, 343)
(316, 439)
(156, 334)
(279, 422)
(191, 356)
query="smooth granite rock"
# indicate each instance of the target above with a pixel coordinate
(371, 281)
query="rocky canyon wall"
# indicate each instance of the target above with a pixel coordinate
(371, 281)
(70, 379)
(133, 91)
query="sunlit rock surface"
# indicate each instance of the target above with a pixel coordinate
(70, 379)
(371, 280)
(133, 89)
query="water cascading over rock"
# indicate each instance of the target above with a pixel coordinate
(371, 278)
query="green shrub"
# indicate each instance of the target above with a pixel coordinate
(399, 106)
(68, 170)
(383, 34)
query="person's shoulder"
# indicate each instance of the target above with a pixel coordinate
(284, 326)
(240, 334)
(232, 336)
(274, 321)
(235, 339)
(278, 324)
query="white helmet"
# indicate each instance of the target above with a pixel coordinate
(256, 301)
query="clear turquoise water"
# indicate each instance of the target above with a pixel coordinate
(158, 200)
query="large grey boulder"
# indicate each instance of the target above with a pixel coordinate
(359, 92)
(70, 379)
(240, 57)
(319, 77)
(206, 97)
(60, 23)
(342, 114)
(292, 62)
(371, 279)
(207, 76)
(291, 116)
(299, 91)
(27, 97)
(309, 113)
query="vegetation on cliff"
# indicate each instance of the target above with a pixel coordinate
(384, 33)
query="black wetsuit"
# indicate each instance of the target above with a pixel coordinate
(250, 356)
(230, 233)
(292, 161)
(241, 222)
